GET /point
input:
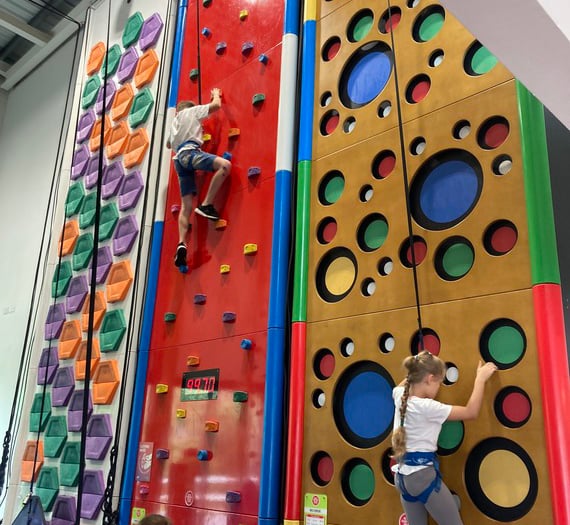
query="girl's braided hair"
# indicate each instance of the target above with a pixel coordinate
(418, 367)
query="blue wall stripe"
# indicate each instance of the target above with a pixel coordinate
(129, 468)
(291, 22)
(177, 54)
(307, 91)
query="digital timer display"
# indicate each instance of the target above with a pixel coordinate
(200, 385)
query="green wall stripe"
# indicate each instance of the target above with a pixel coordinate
(542, 236)
(302, 241)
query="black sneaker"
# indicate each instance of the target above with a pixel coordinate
(180, 257)
(208, 211)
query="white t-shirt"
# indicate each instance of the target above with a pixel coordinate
(423, 421)
(187, 125)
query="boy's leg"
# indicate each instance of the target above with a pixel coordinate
(183, 224)
(222, 168)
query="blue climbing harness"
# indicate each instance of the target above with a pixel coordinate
(419, 459)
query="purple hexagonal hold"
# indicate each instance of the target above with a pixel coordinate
(79, 163)
(64, 511)
(130, 191)
(112, 178)
(125, 234)
(49, 363)
(75, 411)
(85, 126)
(54, 321)
(63, 386)
(104, 263)
(150, 31)
(110, 90)
(76, 294)
(93, 493)
(127, 64)
(92, 173)
(99, 436)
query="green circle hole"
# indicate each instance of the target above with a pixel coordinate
(431, 26)
(375, 234)
(483, 61)
(458, 259)
(450, 437)
(506, 344)
(361, 27)
(361, 482)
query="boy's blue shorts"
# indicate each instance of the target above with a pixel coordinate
(185, 165)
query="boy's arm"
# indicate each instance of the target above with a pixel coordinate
(216, 102)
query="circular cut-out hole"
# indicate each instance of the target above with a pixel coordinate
(436, 58)
(336, 274)
(349, 124)
(502, 165)
(384, 109)
(412, 3)
(347, 347)
(357, 481)
(429, 340)
(366, 193)
(331, 187)
(322, 468)
(385, 266)
(389, 20)
(454, 258)
(493, 132)
(418, 146)
(324, 363)
(500, 237)
(419, 252)
(360, 25)
(319, 398)
(387, 463)
(418, 89)
(331, 48)
(478, 60)
(326, 230)
(326, 99)
(386, 343)
(368, 287)
(428, 23)
(513, 407)
(461, 130)
(503, 342)
(383, 164)
(451, 374)
(329, 122)
(372, 232)
(450, 437)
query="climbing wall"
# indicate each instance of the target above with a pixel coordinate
(123, 112)
(200, 449)
(461, 142)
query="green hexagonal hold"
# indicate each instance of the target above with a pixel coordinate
(47, 487)
(55, 436)
(39, 417)
(112, 330)
(74, 199)
(69, 465)
(140, 110)
(82, 252)
(132, 29)
(90, 92)
(112, 58)
(61, 279)
(87, 214)
(108, 220)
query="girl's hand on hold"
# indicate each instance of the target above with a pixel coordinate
(485, 371)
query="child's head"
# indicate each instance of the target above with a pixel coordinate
(155, 519)
(184, 104)
(420, 366)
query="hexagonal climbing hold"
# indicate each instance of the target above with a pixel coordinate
(63, 386)
(146, 68)
(55, 436)
(137, 146)
(99, 311)
(75, 408)
(76, 294)
(130, 191)
(127, 65)
(111, 61)
(118, 139)
(119, 281)
(90, 92)
(108, 90)
(132, 29)
(48, 365)
(81, 359)
(122, 103)
(125, 235)
(40, 412)
(150, 32)
(92, 171)
(32, 462)
(108, 220)
(96, 56)
(69, 339)
(82, 252)
(74, 199)
(112, 330)
(54, 321)
(112, 180)
(68, 237)
(140, 110)
(85, 125)
(99, 436)
(93, 494)
(105, 382)
(95, 140)
(69, 464)
(47, 487)
(87, 213)
(61, 279)
(104, 262)
(79, 162)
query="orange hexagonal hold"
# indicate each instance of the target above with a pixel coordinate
(100, 309)
(29, 461)
(117, 139)
(68, 237)
(122, 102)
(136, 148)
(81, 360)
(146, 68)
(119, 281)
(95, 60)
(95, 140)
(69, 339)
(105, 382)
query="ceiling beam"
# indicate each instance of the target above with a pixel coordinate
(21, 27)
(4, 68)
